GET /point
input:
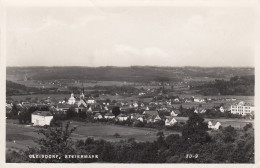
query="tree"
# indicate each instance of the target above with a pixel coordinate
(55, 141)
(172, 139)
(195, 129)
(116, 111)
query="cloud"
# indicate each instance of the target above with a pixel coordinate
(126, 55)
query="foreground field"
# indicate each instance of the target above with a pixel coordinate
(20, 136)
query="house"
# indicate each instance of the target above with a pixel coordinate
(140, 118)
(151, 113)
(135, 104)
(199, 100)
(174, 114)
(64, 107)
(41, 118)
(199, 110)
(170, 121)
(214, 125)
(242, 108)
(153, 118)
(136, 116)
(82, 103)
(221, 109)
(109, 115)
(121, 117)
(91, 101)
(98, 116)
(89, 109)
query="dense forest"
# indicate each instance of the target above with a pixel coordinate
(130, 74)
(237, 85)
(196, 144)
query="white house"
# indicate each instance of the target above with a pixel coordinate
(41, 118)
(109, 115)
(221, 109)
(89, 110)
(212, 126)
(82, 103)
(97, 116)
(199, 110)
(121, 117)
(153, 118)
(242, 108)
(173, 114)
(135, 104)
(199, 100)
(170, 121)
(91, 101)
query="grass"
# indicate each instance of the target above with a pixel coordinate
(21, 136)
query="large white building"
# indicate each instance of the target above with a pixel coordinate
(41, 118)
(242, 108)
(72, 99)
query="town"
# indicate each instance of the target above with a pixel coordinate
(126, 111)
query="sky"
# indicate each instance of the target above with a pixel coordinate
(130, 35)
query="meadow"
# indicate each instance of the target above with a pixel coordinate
(21, 136)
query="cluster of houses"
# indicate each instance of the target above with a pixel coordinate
(148, 111)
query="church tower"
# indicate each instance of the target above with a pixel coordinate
(82, 96)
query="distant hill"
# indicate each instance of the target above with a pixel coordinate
(238, 85)
(130, 74)
(18, 89)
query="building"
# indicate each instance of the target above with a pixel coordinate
(214, 125)
(151, 113)
(72, 99)
(170, 121)
(41, 118)
(109, 115)
(242, 108)
(199, 100)
(98, 116)
(91, 101)
(221, 109)
(153, 118)
(121, 117)
(199, 110)
(174, 113)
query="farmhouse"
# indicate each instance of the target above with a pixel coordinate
(41, 118)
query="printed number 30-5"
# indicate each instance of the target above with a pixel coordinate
(192, 156)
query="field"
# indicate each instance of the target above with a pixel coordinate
(20, 136)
